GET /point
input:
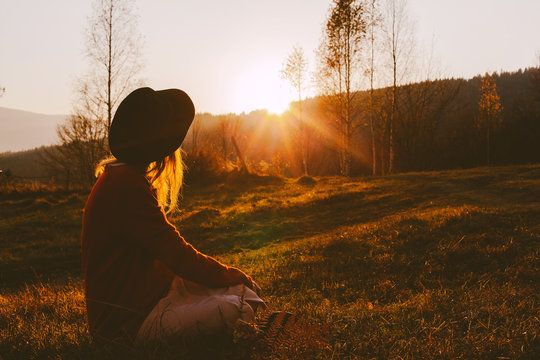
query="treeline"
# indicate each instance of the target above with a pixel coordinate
(437, 126)
(401, 122)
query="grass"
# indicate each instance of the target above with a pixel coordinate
(436, 265)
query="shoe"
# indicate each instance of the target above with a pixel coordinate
(276, 326)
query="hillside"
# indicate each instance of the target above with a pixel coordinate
(435, 265)
(25, 164)
(23, 130)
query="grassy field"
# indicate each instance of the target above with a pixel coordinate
(436, 265)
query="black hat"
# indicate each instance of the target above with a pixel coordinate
(149, 125)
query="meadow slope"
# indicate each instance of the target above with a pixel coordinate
(435, 265)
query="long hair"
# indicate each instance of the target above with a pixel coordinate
(166, 177)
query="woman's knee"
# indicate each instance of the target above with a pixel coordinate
(230, 308)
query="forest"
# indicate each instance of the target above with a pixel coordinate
(438, 126)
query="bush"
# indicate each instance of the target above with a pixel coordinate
(203, 168)
(306, 180)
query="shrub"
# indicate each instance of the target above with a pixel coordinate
(306, 180)
(203, 168)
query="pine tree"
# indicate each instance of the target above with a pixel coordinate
(489, 111)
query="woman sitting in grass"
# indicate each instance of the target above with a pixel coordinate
(143, 282)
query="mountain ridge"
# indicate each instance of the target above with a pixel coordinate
(23, 130)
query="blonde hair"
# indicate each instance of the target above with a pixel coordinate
(165, 175)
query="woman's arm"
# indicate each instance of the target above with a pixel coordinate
(144, 224)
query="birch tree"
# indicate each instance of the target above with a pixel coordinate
(114, 49)
(339, 55)
(295, 72)
(373, 24)
(398, 47)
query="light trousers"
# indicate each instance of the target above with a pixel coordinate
(190, 310)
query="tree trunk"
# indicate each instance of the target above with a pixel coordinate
(392, 121)
(302, 132)
(371, 100)
(109, 70)
(488, 145)
(240, 157)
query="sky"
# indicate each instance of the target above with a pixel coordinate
(228, 54)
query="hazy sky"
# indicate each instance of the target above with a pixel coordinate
(227, 53)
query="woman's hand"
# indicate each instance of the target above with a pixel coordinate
(240, 277)
(256, 288)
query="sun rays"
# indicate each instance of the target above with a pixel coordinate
(285, 136)
(260, 88)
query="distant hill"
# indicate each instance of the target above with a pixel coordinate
(23, 130)
(25, 164)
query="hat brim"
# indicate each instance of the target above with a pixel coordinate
(150, 125)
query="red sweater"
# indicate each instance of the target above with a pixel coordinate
(130, 254)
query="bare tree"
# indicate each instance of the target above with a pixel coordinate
(373, 24)
(240, 156)
(223, 133)
(227, 128)
(399, 43)
(295, 72)
(195, 130)
(2, 91)
(234, 130)
(339, 68)
(82, 146)
(114, 48)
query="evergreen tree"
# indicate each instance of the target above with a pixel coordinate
(489, 111)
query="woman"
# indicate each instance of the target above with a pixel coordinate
(142, 280)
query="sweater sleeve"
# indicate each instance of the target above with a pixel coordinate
(144, 222)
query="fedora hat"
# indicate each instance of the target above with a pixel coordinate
(149, 125)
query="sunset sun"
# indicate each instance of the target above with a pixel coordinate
(260, 88)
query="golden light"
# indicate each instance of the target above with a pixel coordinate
(260, 88)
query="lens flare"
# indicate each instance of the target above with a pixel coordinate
(260, 89)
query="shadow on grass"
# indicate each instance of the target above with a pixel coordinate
(262, 227)
(40, 239)
(412, 255)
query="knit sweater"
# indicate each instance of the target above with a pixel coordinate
(131, 253)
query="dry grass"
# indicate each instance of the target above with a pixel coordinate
(437, 265)
(18, 187)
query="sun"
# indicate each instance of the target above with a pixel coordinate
(260, 88)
